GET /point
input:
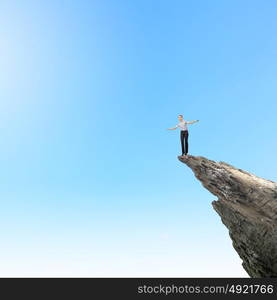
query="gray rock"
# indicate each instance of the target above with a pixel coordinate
(247, 205)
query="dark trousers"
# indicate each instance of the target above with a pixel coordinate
(184, 135)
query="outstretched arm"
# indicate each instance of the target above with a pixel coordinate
(191, 122)
(172, 128)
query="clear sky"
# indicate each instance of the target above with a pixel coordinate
(90, 181)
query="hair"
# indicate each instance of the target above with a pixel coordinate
(181, 116)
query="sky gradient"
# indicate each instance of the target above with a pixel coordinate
(90, 181)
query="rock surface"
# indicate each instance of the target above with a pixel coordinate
(247, 205)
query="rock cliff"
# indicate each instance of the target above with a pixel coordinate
(247, 205)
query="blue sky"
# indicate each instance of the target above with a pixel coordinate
(90, 181)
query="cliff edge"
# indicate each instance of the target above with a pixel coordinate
(247, 205)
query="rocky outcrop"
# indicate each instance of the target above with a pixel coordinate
(247, 205)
